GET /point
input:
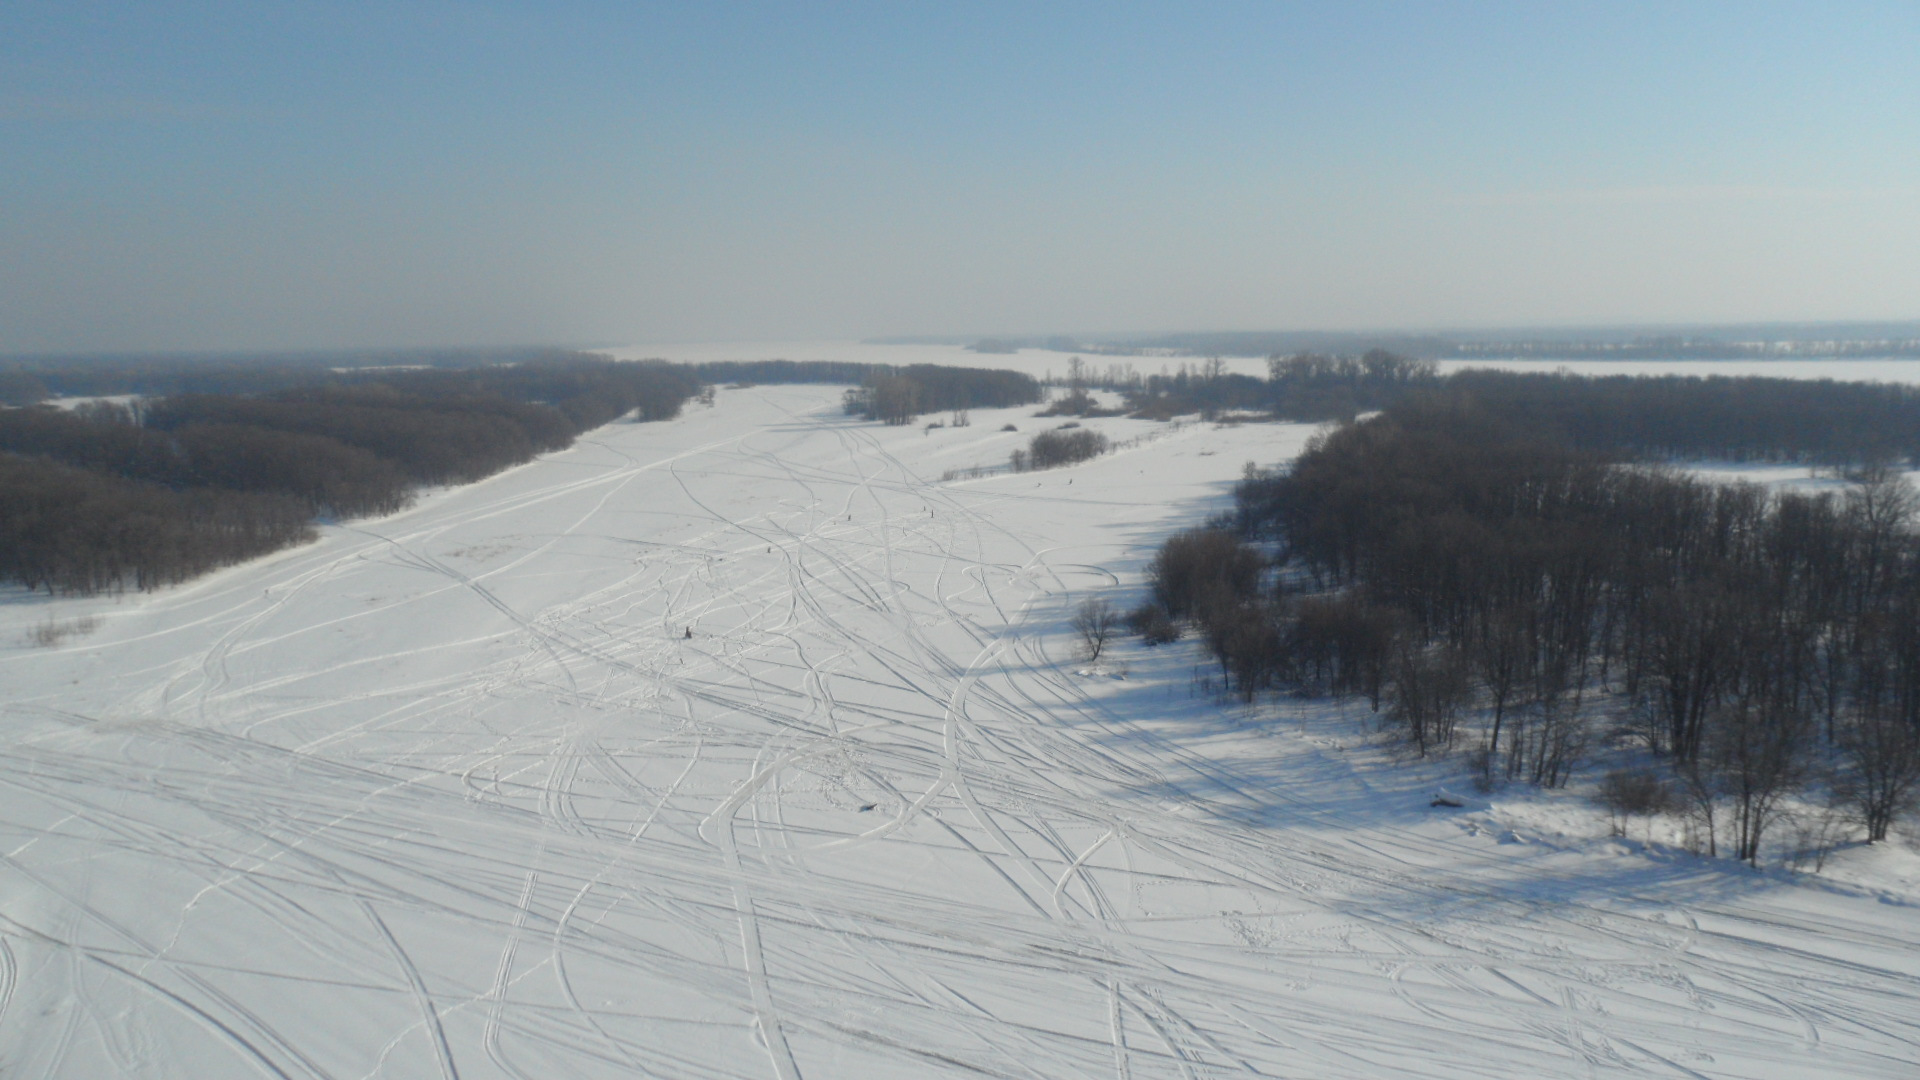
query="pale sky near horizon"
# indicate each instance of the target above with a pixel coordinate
(293, 174)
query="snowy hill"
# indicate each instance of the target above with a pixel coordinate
(742, 746)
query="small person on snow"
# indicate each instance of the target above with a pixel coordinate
(689, 633)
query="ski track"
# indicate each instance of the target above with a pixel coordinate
(452, 794)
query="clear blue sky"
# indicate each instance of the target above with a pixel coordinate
(288, 174)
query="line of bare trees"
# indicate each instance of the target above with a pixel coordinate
(1452, 566)
(1738, 418)
(899, 395)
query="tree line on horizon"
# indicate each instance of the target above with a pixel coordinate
(30, 380)
(1776, 341)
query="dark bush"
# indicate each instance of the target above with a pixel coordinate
(1244, 635)
(1052, 449)
(1153, 624)
(1636, 792)
(1076, 402)
(1194, 563)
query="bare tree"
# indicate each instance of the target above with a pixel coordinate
(894, 399)
(1430, 687)
(1096, 621)
(1754, 751)
(1503, 654)
(1881, 507)
(1882, 777)
(1630, 793)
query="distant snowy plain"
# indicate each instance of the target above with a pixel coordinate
(1042, 362)
(455, 794)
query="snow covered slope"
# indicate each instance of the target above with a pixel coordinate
(455, 794)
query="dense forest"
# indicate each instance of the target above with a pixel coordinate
(898, 395)
(1740, 418)
(893, 395)
(73, 530)
(1064, 445)
(1737, 418)
(1452, 565)
(107, 497)
(1298, 386)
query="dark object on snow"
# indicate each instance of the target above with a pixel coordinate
(1442, 800)
(1152, 623)
(689, 633)
(868, 807)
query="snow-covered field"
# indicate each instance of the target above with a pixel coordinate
(1039, 363)
(455, 794)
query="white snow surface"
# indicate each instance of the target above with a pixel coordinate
(1038, 363)
(453, 794)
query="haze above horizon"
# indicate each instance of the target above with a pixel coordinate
(305, 175)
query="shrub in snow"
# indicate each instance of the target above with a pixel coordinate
(1629, 793)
